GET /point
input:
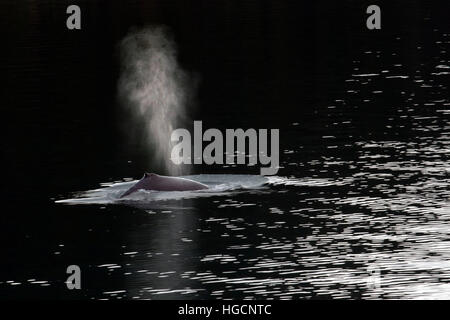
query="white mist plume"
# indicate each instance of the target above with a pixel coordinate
(154, 89)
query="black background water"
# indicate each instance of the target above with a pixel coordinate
(363, 118)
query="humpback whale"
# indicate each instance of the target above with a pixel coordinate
(152, 181)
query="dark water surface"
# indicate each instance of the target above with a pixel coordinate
(359, 208)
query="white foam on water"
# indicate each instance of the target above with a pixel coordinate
(218, 184)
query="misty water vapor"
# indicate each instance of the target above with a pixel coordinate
(154, 91)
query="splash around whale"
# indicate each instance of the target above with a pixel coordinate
(216, 185)
(153, 181)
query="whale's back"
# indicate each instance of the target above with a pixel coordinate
(152, 181)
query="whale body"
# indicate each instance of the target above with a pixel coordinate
(152, 181)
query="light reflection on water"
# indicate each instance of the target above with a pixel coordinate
(370, 222)
(355, 216)
(310, 236)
